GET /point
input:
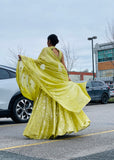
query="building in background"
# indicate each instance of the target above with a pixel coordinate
(104, 56)
(80, 76)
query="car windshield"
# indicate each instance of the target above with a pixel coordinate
(97, 83)
(89, 85)
(6, 74)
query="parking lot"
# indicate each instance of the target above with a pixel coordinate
(97, 138)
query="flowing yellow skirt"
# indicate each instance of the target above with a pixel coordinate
(49, 119)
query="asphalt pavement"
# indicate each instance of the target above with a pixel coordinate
(95, 142)
(107, 155)
(13, 156)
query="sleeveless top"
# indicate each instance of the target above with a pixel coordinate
(60, 53)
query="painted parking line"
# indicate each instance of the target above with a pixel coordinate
(52, 141)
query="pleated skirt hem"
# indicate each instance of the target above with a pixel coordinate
(50, 120)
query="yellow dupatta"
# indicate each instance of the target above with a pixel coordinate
(49, 74)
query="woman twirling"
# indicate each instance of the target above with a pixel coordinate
(58, 102)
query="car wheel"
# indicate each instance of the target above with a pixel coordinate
(104, 99)
(21, 109)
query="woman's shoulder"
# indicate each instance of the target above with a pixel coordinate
(44, 49)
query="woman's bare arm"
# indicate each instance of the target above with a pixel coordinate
(19, 57)
(63, 62)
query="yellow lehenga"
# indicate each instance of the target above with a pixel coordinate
(58, 102)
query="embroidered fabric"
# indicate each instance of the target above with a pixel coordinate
(58, 102)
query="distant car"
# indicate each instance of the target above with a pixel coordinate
(12, 103)
(112, 92)
(98, 91)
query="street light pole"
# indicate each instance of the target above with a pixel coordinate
(92, 58)
(91, 38)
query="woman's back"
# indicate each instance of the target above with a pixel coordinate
(57, 52)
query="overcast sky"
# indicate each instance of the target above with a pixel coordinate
(27, 23)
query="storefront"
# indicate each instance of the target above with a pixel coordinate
(81, 76)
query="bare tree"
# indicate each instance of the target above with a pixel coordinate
(110, 36)
(110, 32)
(13, 55)
(70, 57)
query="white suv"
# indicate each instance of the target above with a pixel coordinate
(12, 103)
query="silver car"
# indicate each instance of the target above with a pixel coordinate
(12, 102)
